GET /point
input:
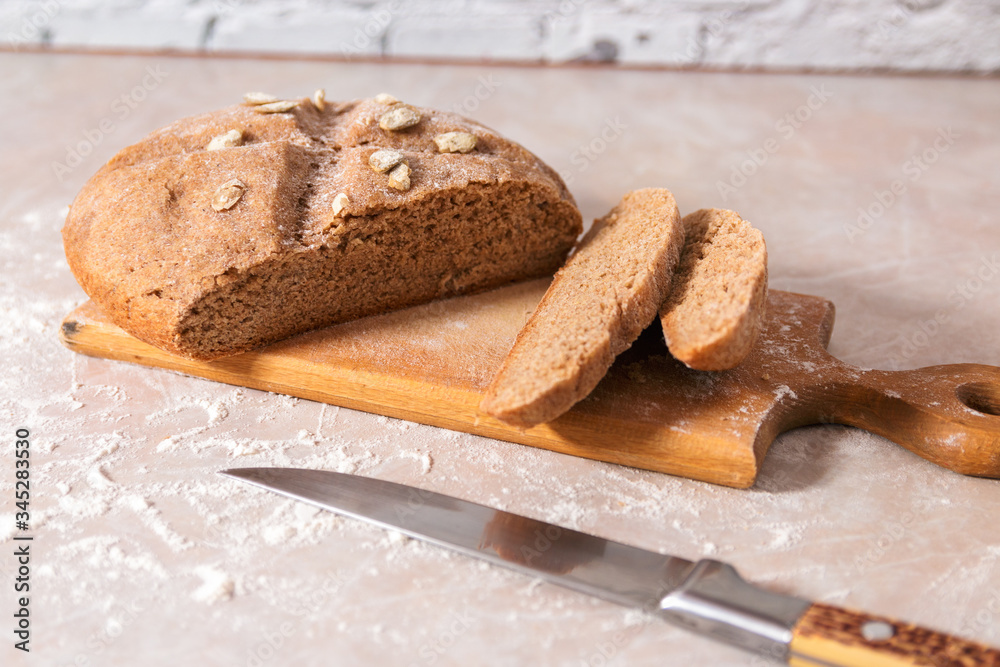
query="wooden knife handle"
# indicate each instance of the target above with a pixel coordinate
(828, 636)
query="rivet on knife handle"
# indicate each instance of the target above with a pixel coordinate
(828, 636)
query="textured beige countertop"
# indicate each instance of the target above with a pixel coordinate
(142, 556)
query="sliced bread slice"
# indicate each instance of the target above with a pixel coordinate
(715, 309)
(599, 302)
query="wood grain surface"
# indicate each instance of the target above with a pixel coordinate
(828, 635)
(431, 364)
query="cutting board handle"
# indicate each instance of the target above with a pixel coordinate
(949, 415)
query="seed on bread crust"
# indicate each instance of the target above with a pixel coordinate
(230, 139)
(339, 202)
(228, 194)
(254, 99)
(276, 107)
(399, 177)
(385, 159)
(455, 142)
(319, 99)
(399, 117)
(386, 98)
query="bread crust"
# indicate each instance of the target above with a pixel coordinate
(146, 244)
(597, 305)
(715, 310)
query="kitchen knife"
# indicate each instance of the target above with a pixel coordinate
(707, 597)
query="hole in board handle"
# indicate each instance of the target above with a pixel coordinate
(981, 397)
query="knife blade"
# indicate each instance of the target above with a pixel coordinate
(708, 597)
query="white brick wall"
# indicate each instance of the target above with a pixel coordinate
(939, 35)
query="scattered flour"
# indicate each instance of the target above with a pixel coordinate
(136, 502)
(784, 390)
(423, 458)
(166, 445)
(217, 411)
(152, 519)
(278, 533)
(99, 479)
(216, 585)
(244, 448)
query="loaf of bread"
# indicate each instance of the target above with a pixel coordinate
(609, 291)
(226, 231)
(715, 309)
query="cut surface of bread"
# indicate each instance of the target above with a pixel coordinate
(715, 309)
(233, 229)
(609, 291)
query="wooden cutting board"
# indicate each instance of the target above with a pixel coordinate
(431, 364)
